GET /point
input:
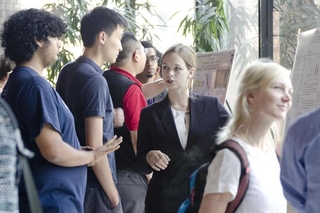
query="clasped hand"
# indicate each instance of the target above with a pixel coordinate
(157, 160)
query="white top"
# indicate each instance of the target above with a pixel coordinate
(181, 119)
(264, 194)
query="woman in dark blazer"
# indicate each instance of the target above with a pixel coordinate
(175, 135)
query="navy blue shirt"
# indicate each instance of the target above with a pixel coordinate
(35, 102)
(86, 93)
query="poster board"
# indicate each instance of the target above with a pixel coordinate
(305, 76)
(213, 73)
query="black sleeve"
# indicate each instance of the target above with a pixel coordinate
(223, 114)
(144, 144)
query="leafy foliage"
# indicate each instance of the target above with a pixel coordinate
(73, 10)
(207, 23)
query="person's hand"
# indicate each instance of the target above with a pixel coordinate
(157, 160)
(118, 117)
(112, 145)
(149, 176)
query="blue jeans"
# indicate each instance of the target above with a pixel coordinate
(132, 188)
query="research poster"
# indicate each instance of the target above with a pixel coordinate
(213, 73)
(305, 76)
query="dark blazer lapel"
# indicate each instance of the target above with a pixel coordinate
(195, 109)
(166, 117)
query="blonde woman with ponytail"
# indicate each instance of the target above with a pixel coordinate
(264, 97)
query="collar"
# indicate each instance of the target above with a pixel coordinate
(126, 73)
(84, 59)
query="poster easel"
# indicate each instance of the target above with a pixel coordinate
(213, 73)
(305, 76)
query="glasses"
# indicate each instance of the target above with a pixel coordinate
(152, 59)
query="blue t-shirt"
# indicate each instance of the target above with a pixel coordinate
(86, 92)
(35, 102)
(300, 163)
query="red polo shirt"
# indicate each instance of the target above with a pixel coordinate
(133, 101)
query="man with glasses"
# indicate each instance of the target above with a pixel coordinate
(126, 92)
(152, 70)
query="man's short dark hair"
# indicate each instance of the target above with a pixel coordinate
(129, 44)
(147, 44)
(100, 19)
(5, 66)
(22, 28)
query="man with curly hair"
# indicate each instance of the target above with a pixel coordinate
(86, 93)
(31, 39)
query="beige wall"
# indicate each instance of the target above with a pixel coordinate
(8, 7)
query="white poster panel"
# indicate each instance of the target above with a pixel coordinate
(213, 73)
(305, 75)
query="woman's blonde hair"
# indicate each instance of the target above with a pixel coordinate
(188, 55)
(259, 74)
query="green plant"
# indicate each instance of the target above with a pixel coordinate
(132, 10)
(73, 10)
(211, 26)
(207, 23)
